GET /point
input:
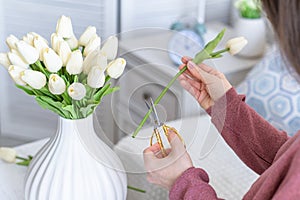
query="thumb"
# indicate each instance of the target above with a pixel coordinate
(175, 142)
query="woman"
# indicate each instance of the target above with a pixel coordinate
(263, 148)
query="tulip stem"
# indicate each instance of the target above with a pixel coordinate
(21, 158)
(219, 52)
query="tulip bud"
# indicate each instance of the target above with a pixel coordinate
(110, 47)
(64, 51)
(235, 45)
(8, 154)
(52, 61)
(34, 79)
(28, 38)
(11, 41)
(55, 39)
(56, 84)
(15, 74)
(15, 59)
(4, 60)
(74, 65)
(96, 77)
(76, 91)
(29, 54)
(93, 44)
(87, 35)
(64, 27)
(116, 67)
(94, 58)
(72, 42)
(40, 45)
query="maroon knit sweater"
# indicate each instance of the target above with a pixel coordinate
(263, 148)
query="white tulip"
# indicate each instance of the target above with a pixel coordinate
(87, 35)
(96, 77)
(116, 67)
(4, 61)
(11, 41)
(64, 27)
(93, 44)
(8, 154)
(56, 84)
(74, 65)
(34, 79)
(235, 45)
(29, 54)
(52, 61)
(76, 91)
(110, 47)
(72, 42)
(64, 51)
(94, 58)
(55, 39)
(15, 74)
(15, 59)
(40, 45)
(28, 38)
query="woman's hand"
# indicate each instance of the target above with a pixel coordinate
(203, 82)
(165, 171)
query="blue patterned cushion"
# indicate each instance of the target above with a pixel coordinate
(273, 92)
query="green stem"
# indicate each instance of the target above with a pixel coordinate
(158, 100)
(219, 52)
(21, 158)
(136, 189)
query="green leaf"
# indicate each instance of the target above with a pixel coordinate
(208, 49)
(71, 110)
(86, 111)
(55, 106)
(98, 94)
(26, 89)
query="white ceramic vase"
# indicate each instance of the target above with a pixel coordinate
(76, 165)
(254, 30)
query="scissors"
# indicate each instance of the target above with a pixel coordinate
(158, 126)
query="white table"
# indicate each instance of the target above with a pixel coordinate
(228, 175)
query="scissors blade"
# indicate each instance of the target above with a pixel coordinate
(154, 113)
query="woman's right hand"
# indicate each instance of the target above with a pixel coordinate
(205, 83)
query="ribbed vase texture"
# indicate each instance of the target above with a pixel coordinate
(75, 165)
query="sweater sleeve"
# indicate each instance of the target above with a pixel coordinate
(252, 138)
(192, 184)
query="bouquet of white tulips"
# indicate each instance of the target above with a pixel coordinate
(70, 77)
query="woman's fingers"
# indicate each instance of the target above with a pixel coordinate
(185, 59)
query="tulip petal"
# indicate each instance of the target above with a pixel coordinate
(96, 57)
(52, 61)
(11, 41)
(64, 27)
(8, 154)
(75, 63)
(29, 54)
(93, 44)
(110, 47)
(96, 77)
(16, 59)
(15, 74)
(4, 61)
(76, 91)
(34, 79)
(116, 67)
(56, 84)
(89, 32)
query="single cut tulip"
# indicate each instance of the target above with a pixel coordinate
(89, 32)
(15, 59)
(34, 79)
(74, 65)
(64, 51)
(52, 61)
(94, 58)
(116, 67)
(235, 45)
(11, 41)
(4, 61)
(110, 47)
(55, 39)
(72, 42)
(64, 27)
(40, 45)
(93, 44)
(29, 54)
(15, 74)
(56, 84)
(8, 154)
(96, 77)
(76, 91)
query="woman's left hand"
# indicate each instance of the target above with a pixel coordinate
(165, 171)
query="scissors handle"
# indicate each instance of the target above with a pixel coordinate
(166, 129)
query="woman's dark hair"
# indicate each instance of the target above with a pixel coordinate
(285, 18)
